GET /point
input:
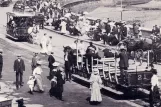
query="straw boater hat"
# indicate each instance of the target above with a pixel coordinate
(55, 64)
(95, 71)
(122, 47)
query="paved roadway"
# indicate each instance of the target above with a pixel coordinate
(74, 94)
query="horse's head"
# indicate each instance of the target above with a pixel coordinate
(67, 48)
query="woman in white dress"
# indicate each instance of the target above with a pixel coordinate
(63, 26)
(37, 73)
(44, 44)
(50, 45)
(95, 81)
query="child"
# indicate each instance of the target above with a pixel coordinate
(31, 83)
(52, 90)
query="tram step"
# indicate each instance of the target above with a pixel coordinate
(104, 87)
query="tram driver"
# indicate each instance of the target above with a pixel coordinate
(124, 63)
(90, 52)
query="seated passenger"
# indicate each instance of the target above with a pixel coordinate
(107, 52)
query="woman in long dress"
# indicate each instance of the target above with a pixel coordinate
(44, 44)
(37, 73)
(50, 45)
(63, 26)
(95, 81)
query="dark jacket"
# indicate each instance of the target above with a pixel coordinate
(123, 59)
(1, 60)
(60, 81)
(19, 66)
(124, 31)
(107, 28)
(70, 59)
(51, 60)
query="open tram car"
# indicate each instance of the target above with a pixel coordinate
(135, 78)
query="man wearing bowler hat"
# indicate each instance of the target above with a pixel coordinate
(19, 68)
(1, 62)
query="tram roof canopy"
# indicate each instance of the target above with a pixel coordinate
(16, 14)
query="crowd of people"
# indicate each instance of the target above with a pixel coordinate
(67, 22)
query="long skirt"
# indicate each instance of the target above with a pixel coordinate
(95, 93)
(39, 84)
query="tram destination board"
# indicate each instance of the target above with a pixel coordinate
(139, 79)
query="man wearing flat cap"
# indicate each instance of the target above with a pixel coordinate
(1, 62)
(19, 68)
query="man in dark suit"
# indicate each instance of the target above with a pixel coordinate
(19, 68)
(51, 60)
(1, 63)
(60, 83)
(68, 64)
(107, 28)
(123, 64)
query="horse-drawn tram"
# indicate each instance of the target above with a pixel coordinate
(135, 78)
(23, 26)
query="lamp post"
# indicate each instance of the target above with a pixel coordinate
(121, 10)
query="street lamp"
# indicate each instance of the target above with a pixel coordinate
(121, 10)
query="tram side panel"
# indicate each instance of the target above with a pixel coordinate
(139, 79)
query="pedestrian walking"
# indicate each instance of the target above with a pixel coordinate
(60, 82)
(34, 61)
(37, 73)
(53, 90)
(50, 46)
(95, 82)
(19, 68)
(1, 62)
(154, 97)
(51, 60)
(43, 44)
(55, 68)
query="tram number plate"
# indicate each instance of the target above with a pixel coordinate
(139, 78)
